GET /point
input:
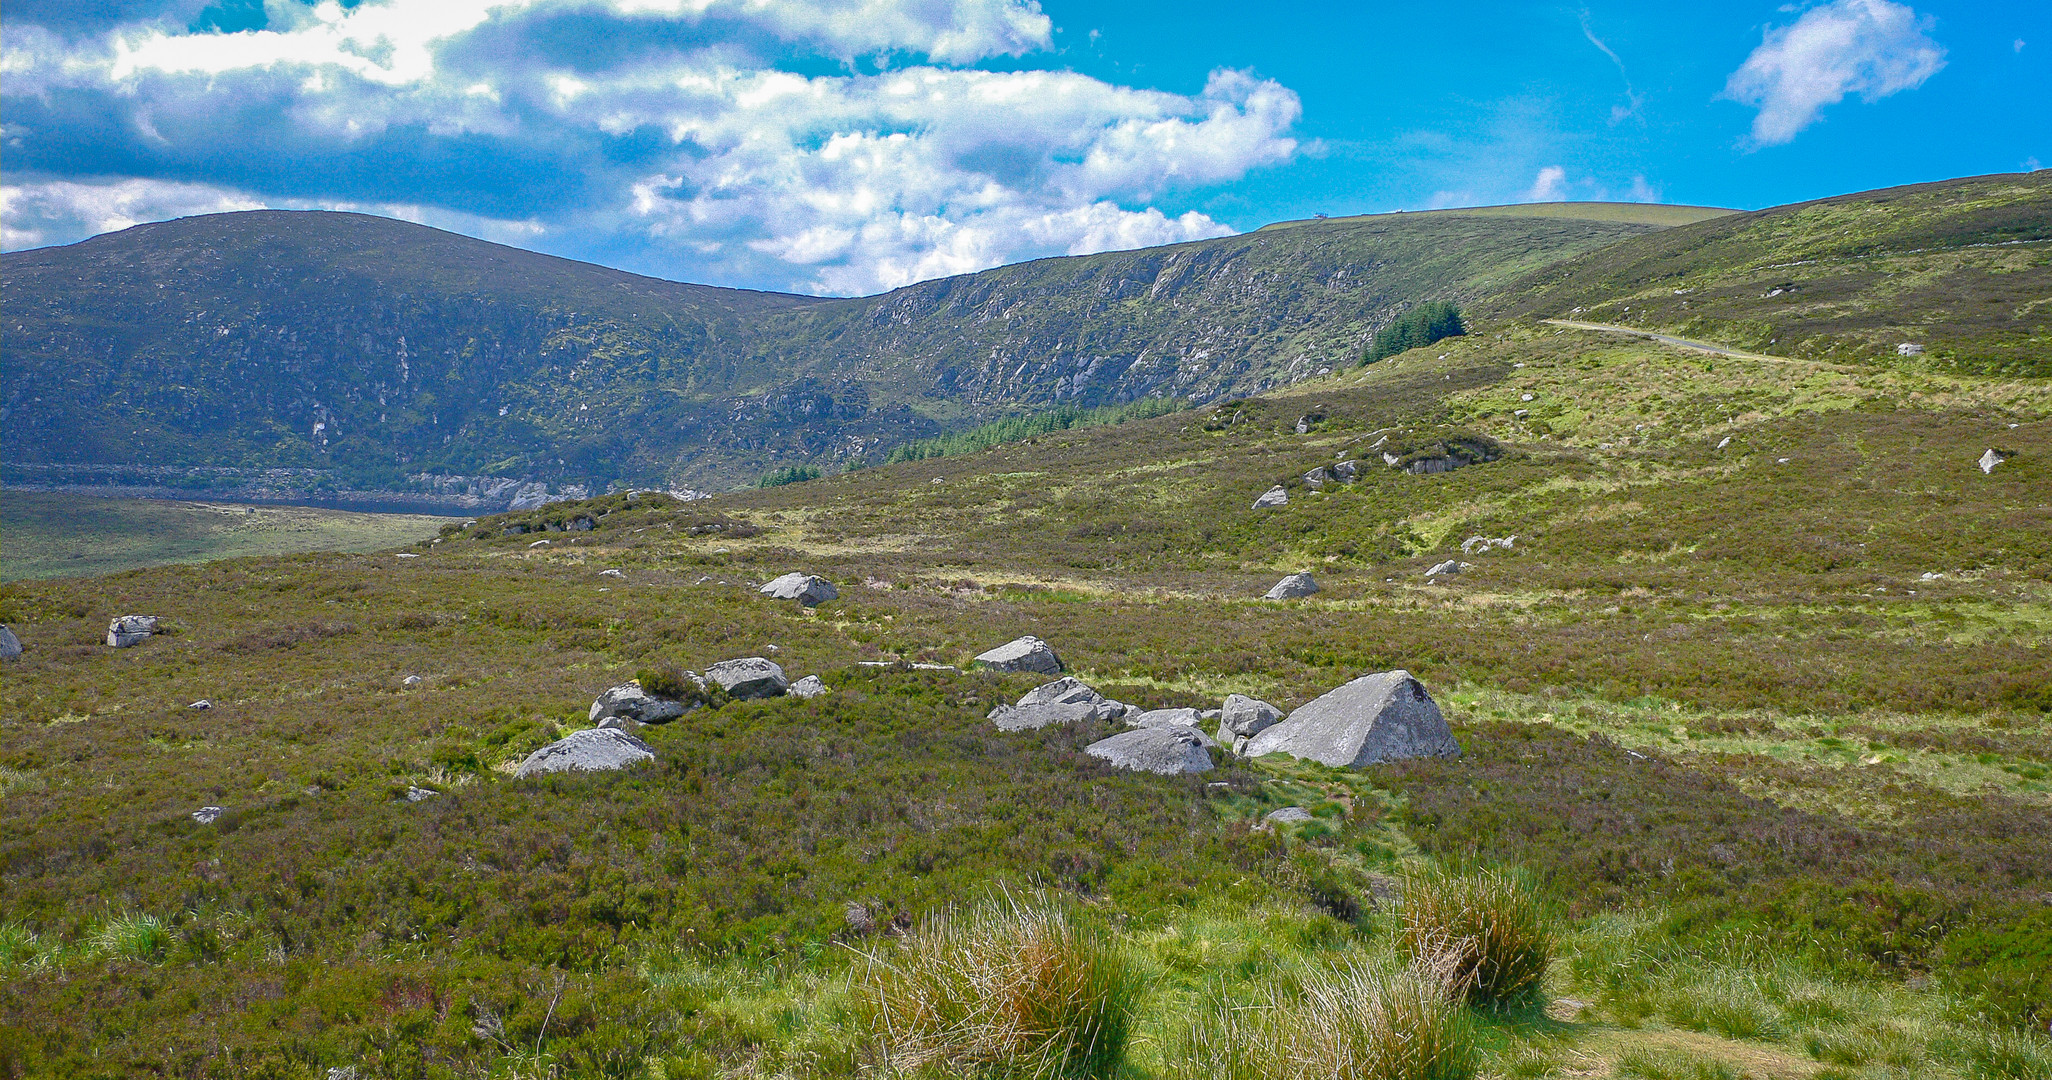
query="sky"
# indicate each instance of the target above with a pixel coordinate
(851, 146)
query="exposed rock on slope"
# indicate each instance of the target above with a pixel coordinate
(1375, 718)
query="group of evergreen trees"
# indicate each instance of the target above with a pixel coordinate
(1418, 327)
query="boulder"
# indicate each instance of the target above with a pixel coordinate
(1165, 750)
(1067, 690)
(205, 815)
(808, 687)
(1382, 717)
(1288, 815)
(1042, 714)
(130, 629)
(1346, 472)
(629, 701)
(10, 646)
(1242, 719)
(1028, 653)
(1447, 568)
(1991, 459)
(412, 680)
(804, 588)
(591, 750)
(1474, 544)
(1317, 476)
(1274, 496)
(1291, 587)
(419, 794)
(749, 677)
(1189, 718)
(202, 704)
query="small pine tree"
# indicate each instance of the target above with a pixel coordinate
(1430, 321)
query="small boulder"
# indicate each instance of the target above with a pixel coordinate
(1288, 815)
(1067, 690)
(10, 646)
(1346, 472)
(419, 794)
(1167, 751)
(613, 573)
(1317, 476)
(540, 544)
(130, 630)
(1445, 569)
(1292, 587)
(749, 677)
(1042, 714)
(1028, 653)
(1189, 718)
(808, 687)
(1273, 497)
(631, 702)
(1242, 719)
(205, 815)
(1991, 459)
(412, 680)
(591, 750)
(202, 705)
(804, 588)
(1382, 717)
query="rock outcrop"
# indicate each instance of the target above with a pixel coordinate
(129, 630)
(1168, 751)
(591, 750)
(1382, 717)
(1274, 496)
(1991, 459)
(749, 677)
(1446, 569)
(807, 589)
(10, 646)
(1242, 718)
(1027, 653)
(1288, 815)
(1292, 587)
(1042, 714)
(1166, 718)
(205, 815)
(808, 687)
(629, 701)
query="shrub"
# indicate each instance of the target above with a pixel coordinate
(1352, 1022)
(2006, 1055)
(1011, 989)
(1480, 936)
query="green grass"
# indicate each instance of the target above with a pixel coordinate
(44, 534)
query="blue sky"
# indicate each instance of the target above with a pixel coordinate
(849, 146)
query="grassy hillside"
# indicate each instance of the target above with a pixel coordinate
(1764, 724)
(374, 350)
(45, 534)
(1961, 268)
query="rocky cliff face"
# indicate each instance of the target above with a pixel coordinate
(370, 351)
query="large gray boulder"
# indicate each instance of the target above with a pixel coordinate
(629, 701)
(1042, 714)
(804, 588)
(129, 630)
(1069, 690)
(1292, 587)
(10, 646)
(592, 750)
(1383, 717)
(1273, 497)
(1242, 718)
(1166, 718)
(749, 677)
(1028, 653)
(1165, 750)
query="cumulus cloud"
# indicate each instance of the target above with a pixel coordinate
(691, 138)
(1873, 48)
(1551, 185)
(40, 213)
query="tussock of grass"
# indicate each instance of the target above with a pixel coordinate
(1479, 936)
(1353, 1021)
(1011, 989)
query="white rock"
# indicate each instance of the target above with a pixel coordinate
(1189, 718)
(1991, 459)
(749, 677)
(1288, 815)
(1026, 653)
(1449, 567)
(540, 543)
(809, 687)
(1382, 717)
(1042, 714)
(1242, 718)
(1273, 497)
(202, 705)
(629, 701)
(130, 630)
(1168, 751)
(412, 680)
(591, 750)
(419, 794)
(807, 589)
(205, 815)
(612, 573)
(1291, 587)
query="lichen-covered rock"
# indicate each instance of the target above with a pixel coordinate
(808, 687)
(1168, 751)
(1242, 718)
(129, 630)
(1026, 653)
(1042, 714)
(749, 677)
(1292, 587)
(1382, 717)
(1288, 815)
(1067, 690)
(630, 702)
(592, 750)
(1273, 497)
(807, 589)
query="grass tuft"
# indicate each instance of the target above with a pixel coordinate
(1009, 989)
(133, 937)
(1480, 936)
(1352, 1021)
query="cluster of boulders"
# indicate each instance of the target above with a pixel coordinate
(1387, 716)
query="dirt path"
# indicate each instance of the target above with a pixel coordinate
(1677, 342)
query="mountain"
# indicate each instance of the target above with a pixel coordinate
(298, 354)
(1961, 270)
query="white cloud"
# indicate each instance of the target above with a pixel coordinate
(38, 213)
(731, 168)
(1873, 48)
(1644, 192)
(1551, 185)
